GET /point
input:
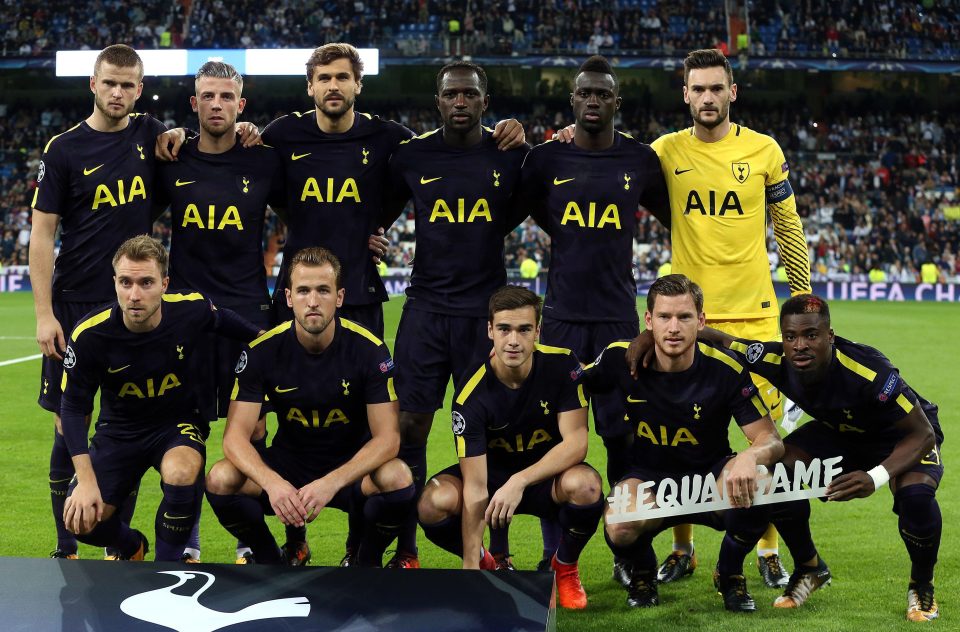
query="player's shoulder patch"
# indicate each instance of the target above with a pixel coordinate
(349, 325)
(754, 352)
(721, 355)
(69, 358)
(889, 386)
(91, 322)
(459, 423)
(279, 329)
(241, 363)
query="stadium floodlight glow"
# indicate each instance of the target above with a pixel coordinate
(180, 62)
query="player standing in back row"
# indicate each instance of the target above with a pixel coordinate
(585, 195)
(95, 183)
(723, 180)
(461, 185)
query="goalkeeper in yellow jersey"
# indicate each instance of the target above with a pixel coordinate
(723, 179)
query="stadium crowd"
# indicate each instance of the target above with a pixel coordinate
(885, 28)
(873, 191)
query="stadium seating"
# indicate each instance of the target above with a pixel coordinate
(882, 29)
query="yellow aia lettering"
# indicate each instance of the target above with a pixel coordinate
(124, 194)
(332, 193)
(230, 217)
(442, 210)
(335, 416)
(539, 436)
(730, 203)
(683, 435)
(132, 389)
(574, 215)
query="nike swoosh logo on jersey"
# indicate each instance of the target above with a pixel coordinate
(635, 401)
(558, 181)
(87, 172)
(429, 180)
(183, 184)
(172, 517)
(678, 171)
(285, 390)
(109, 370)
(296, 157)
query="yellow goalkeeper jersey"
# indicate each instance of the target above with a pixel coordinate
(719, 196)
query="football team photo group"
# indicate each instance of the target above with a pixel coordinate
(556, 405)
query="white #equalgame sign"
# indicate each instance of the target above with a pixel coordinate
(697, 494)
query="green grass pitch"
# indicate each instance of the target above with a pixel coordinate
(858, 539)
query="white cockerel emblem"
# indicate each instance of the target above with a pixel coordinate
(184, 613)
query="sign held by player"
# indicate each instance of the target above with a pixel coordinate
(697, 494)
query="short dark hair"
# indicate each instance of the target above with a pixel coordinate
(706, 58)
(600, 64)
(314, 256)
(674, 285)
(467, 66)
(805, 304)
(121, 56)
(513, 297)
(143, 248)
(329, 53)
(219, 70)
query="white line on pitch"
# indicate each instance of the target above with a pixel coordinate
(24, 359)
(17, 338)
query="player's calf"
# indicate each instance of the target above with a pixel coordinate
(385, 512)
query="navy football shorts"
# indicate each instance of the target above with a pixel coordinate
(588, 340)
(429, 349)
(120, 463)
(51, 372)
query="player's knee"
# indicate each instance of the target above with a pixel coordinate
(914, 502)
(581, 485)
(223, 478)
(438, 502)
(415, 427)
(621, 534)
(181, 473)
(181, 466)
(392, 476)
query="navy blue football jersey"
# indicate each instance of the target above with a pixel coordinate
(680, 419)
(144, 378)
(587, 201)
(217, 206)
(515, 428)
(462, 208)
(861, 397)
(320, 398)
(101, 186)
(336, 185)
